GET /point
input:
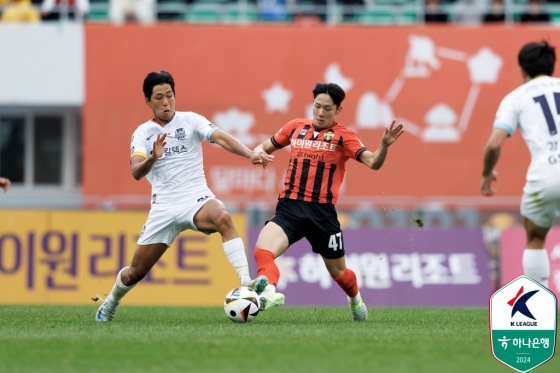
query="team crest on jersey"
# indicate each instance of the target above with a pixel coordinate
(180, 134)
(329, 135)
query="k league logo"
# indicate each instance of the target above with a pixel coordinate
(519, 304)
(523, 324)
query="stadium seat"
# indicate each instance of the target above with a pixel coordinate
(554, 10)
(235, 13)
(377, 15)
(204, 13)
(171, 10)
(406, 17)
(98, 11)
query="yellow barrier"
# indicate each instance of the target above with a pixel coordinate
(66, 257)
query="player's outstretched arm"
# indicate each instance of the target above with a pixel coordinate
(376, 159)
(233, 145)
(5, 184)
(266, 147)
(491, 156)
(141, 166)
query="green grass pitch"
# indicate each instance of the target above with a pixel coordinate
(288, 339)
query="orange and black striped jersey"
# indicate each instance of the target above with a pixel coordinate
(317, 159)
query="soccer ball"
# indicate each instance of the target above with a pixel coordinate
(242, 304)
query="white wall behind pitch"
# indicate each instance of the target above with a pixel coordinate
(42, 64)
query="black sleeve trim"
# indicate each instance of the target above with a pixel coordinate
(275, 143)
(359, 152)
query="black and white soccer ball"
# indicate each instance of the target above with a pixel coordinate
(242, 304)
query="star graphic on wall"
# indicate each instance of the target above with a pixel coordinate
(237, 123)
(485, 66)
(277, 98)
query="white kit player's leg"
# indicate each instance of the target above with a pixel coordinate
(157, 234)
(536, 265)
(235, 253)
(540, 210)
(209, 215)
(107, 310)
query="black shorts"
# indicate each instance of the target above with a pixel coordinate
(317, 222)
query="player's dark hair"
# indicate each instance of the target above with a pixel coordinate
(156, 78)
(337, 94)
(537, 58)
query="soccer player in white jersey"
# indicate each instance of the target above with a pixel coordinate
(167, 150)
(534, 107)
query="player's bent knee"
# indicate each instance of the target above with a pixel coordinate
(223, 221)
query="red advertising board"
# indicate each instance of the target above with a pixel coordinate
(443, 83)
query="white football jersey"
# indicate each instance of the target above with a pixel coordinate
(534, 107)
(179, 173)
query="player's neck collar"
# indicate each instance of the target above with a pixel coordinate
(153, 119)
(538, 76)
(320, 129)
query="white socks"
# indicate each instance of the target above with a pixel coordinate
(269, 289)
(119, 289)
(354, 301)
(235, 252)
(536, 265)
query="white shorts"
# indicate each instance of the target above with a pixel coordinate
(166, 221)
(543, 207)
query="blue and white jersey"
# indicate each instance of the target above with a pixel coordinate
(534, 107)
(179, 173)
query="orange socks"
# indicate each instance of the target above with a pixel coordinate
(347, 281)
(267, 267)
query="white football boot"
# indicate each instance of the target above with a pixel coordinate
(359, 312)
(270, 298)
(106, 311)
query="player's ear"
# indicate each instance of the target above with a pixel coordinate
(338, 109)
(147, 100)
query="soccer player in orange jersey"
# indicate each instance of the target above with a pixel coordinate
(320, 148)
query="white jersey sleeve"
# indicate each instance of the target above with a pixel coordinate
(507, 117)
(203, 127)
(534, 108)
(139, 144)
